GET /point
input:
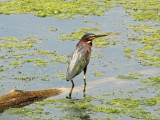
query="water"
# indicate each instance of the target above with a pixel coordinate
(112, 64)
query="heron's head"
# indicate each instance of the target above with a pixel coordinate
(88, 37)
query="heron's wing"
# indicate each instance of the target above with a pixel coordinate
(80, 59)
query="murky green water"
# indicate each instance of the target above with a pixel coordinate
(115, 74)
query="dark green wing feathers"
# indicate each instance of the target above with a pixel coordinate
(80, 59)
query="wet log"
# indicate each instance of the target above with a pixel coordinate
(19, 98)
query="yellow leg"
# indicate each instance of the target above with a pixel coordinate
(71, 89)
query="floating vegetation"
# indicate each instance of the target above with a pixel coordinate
(26, 78)
(44, 52)
(136, 73)
(78, 34)
(12, 39)
(52, 28)
(127, 50)
(22, 112)
(24, 52)
(100, 42)
(137, 108)
(60, 59)
(60, 75)
(97, 74)
(40, 62)
(57, 8)
(16, 49)
(138, 9)
(97, 56)
(15, 63)
(133, 108)
(152, 81)
(127, 77)
(149, 53)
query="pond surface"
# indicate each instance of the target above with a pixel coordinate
(111, 63)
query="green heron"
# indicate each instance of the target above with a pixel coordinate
(80, 59)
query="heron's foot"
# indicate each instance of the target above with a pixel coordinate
(68, 97)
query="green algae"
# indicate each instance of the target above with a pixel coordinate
(131, 107)
(148, 53)
(140, 8)
(40, 62)
(78, 34)
(1, 70)
(12, 45)
(128, 56)
(15, 63)
(136, 73)
(58, 8)
(45, 78)
(152, 81)
(127, 50)
(12, 39)
(145, 10)
(45, 102)
(127, 77)
(26, 78)
(44, 52)
(60, 75)
(60, 59)
(136, 108)
(52, 28)
(101, 42)
(97, 74)
(42, 119)
(22, 112)
(97, 56)
(24, 50)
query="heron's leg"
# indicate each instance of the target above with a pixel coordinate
(84, 78)
(71, 89)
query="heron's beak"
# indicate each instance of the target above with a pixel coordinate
(99, 35)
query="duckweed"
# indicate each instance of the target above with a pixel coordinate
(134, 108)
(97, 74)
(60, 59)
(127, 50)
(136, 73)
(25, 51)
(1, 70)
(78, 34)
(150, 9)
(52, 28)
(22, 112)
(44, 52)
(26, 78)
(149, 53)
(101, 42)
(57, 8)
(12, 39)
(127, 77)
(60, 75)
(15, 63)
(152, 81)
(40, 62)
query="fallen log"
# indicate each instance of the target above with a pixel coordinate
(19, 98)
